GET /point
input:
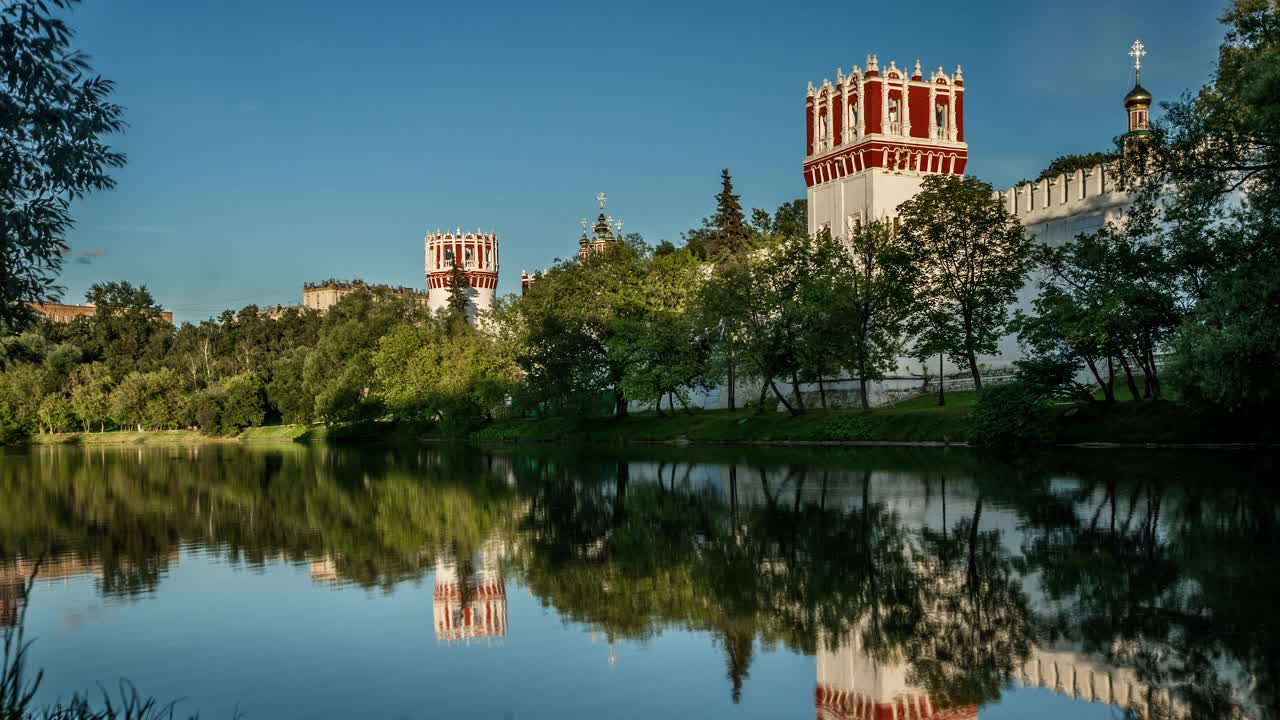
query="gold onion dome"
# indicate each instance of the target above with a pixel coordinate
(1137, 96)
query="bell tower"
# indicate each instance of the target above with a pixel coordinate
(873, 135)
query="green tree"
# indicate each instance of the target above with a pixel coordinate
(55, 413)
(22, 389)
(1122, 285)
(338, 372)
(127, 330)
(457, 376)
(147, 400)
(90, 389)
(243, 403)
(286, 391)
(56, 115)
(875, 302)
(659, 344)
(971, 257)
(570, 321)
(1213, 162)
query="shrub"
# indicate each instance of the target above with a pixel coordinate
(1011, 415)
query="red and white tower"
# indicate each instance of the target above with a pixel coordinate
(873, 135)
(475, 253)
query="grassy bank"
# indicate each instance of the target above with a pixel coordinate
(919, 420)
(269, 433)
(916, 421)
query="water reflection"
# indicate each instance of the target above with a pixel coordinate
(927, 584)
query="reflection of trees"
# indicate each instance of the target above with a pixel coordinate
(976, 626)
(127, 513)
(1169, 578)
(1173, 579)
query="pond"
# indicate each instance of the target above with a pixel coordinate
(558, 582)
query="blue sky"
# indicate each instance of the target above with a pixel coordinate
(271, 143)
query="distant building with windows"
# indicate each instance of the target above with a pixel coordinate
(60, 313)
(320, 296)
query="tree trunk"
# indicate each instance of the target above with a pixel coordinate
(619, 403)
(1093, 368)
(1109, 389)
(795, 387)
(1155, 374)
(1128, 378)
(942, 396)
(973, 368)
(862, 383)
(764, 388)
(822, 392)
(781, 399)
(732, 380)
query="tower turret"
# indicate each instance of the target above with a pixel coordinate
(475, 253)
(873, 135)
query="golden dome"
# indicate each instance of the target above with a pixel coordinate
(1137, 96)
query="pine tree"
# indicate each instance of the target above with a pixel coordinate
(732, 236)
(459, 296)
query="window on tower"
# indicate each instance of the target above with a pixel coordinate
(467, 257)
(855, 123)
(940, 121)
(895, 116)
(448, 256)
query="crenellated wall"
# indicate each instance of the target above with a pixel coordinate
(1083, 191)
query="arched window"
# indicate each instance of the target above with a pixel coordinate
(855, 122)
(824, 133)
(895, 116)
(940, 121)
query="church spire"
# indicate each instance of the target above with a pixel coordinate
(1138, 102)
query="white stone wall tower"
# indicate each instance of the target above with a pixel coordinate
(473, 252)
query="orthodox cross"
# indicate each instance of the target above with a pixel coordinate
(600, 199)
(1136, 52)
(583, 223)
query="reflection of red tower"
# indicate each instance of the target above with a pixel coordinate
(853, 686)
(482, 613)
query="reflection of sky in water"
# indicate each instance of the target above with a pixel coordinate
(283, 645)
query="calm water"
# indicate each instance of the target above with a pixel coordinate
(558, 583)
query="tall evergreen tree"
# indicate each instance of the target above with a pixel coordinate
(732, 236)
(459, 296)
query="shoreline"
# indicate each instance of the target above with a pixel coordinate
(278, 435)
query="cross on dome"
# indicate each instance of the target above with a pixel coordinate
(1136, 51)
(601, 198)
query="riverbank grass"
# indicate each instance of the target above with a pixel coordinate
(266, 433)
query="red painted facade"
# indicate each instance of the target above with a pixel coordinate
(918, 139)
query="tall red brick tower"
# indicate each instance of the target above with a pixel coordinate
(873, 135)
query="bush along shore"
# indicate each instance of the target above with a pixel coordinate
(1008, 418)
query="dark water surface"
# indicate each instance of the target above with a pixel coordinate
(518, 583)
